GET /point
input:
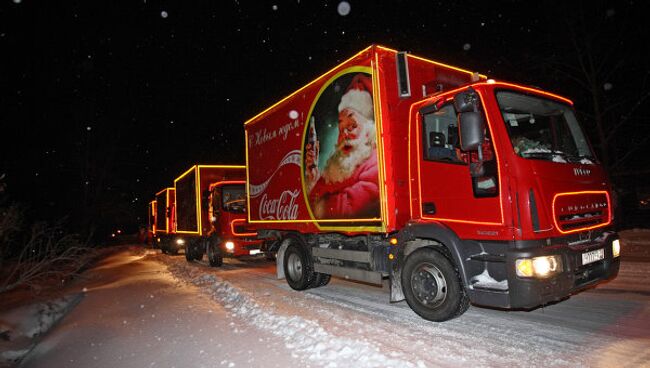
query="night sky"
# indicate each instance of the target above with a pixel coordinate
(104, 103)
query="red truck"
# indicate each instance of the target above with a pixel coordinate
(211, 214)
(454, 187)
(164, 225)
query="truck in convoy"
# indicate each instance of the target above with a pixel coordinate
(454, 187)
(211, 214)
(164, 225)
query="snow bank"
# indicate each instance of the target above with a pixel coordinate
(305, 337)
(22, 327)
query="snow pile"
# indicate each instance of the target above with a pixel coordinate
(306, 338)
(21, 327)
(485, 281)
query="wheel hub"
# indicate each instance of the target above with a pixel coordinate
(429, 285)
(294, 266)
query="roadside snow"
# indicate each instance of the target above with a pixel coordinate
(22, 327)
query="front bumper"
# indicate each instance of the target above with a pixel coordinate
(528, 293)
(242, 247)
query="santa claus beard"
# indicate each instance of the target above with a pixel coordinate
(341, 165)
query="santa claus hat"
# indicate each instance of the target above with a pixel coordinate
(358, 97)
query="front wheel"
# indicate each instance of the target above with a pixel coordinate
(215, 258)
(297, 267)
(432, 286)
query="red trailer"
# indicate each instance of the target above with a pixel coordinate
(151, 221)
(204, 222)
(164, 225)
(456, 188)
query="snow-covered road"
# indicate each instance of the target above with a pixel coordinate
(156, 310)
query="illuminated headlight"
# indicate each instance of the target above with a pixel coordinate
(230, 246)
(616, 248)
(158, 240)
(180, 241)
(538, 267)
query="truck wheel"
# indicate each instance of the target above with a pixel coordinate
(189, 254)
(321, 279)
(432, 286)
(214, 253)
(297, 267)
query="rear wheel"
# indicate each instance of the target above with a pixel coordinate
(298, 269)
(215, 258)
(189, 254)
(321, 279)
(432, 286)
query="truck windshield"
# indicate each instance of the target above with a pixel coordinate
(234, 198)
(543, 129)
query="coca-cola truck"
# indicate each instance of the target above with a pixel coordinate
(164, 224)
(211, 214)
(455, 187)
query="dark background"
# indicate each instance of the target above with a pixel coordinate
(104, 103)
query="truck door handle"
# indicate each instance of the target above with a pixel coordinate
(429, 208)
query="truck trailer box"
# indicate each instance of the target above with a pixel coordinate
(192, 191)
(164, 219)
(455, 187)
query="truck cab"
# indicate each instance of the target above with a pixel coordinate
(506, 172)
(232, 235)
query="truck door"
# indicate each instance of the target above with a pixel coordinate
(447, 191)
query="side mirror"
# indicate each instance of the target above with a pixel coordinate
(472, 127)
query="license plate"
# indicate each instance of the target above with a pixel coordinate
(593, 256)
(254, 252)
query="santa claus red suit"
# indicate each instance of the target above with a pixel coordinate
(348, 185)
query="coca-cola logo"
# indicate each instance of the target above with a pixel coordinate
(283, 208)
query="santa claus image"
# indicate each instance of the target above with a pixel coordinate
(347, 186)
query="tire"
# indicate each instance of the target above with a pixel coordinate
(189, 254)
(432, 286)
(215, 258)
(321, 279)
(298, 269)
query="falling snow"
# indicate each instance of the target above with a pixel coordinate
(164, 14)
(343, 8)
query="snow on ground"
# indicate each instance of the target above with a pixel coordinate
(148, 309)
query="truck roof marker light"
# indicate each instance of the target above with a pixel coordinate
(609, 211)
(254, 118)
(232, 228)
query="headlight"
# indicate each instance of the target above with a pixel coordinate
(616, 248)
(180, 241)
(538, 267)
(230, 245)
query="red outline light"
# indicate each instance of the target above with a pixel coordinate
(232, 228)
(609, 211)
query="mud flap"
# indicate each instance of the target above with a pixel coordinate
(396, 292)
(279, 262)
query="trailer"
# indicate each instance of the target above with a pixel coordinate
(151, 222)
(451, 186)
(164, 225)
(210, 214)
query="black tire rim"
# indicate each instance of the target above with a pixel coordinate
(429, 285)
(294, 266)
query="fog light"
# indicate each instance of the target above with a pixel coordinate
(180, 241)
(230, 246)
(616, 248)
(538, 267)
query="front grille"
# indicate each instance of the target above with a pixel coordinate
(580, 211)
